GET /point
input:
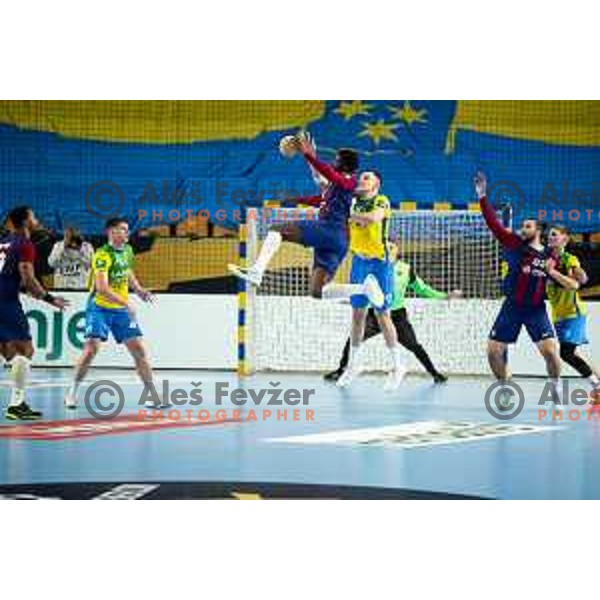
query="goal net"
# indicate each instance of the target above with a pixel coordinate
(288, 330)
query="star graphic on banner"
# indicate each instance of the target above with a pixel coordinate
(408, 114)
(379, 131)
(352, 109)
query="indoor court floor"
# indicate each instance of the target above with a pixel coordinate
(423, 441)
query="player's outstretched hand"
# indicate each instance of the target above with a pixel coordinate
(580, 276)
(305, 143)
(147, 296)
(480, 184)
(455, 294)
(60, 302)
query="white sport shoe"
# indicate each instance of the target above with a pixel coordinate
(70, 401)
(348, 376)
(394, 379)
(252, 275)
(373, 291)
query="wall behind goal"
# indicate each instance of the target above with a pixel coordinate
(199, 332)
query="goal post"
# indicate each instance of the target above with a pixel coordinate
(282, 328)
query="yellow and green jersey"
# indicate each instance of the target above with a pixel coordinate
(370, 241)
(118, 265)
(565, 304)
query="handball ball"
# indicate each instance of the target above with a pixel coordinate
(287, 146)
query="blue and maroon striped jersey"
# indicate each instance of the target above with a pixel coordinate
(525, 283)
(14, 249)
(337, 198)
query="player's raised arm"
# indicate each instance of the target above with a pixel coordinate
(505, 236)
(320, 181)
(344, 180)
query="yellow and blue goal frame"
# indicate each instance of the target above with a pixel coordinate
(245, 293)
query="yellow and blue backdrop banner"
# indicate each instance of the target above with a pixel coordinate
(79, 161)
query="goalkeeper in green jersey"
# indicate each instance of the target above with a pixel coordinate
(405, 279)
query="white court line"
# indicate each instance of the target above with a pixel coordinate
(65, 383)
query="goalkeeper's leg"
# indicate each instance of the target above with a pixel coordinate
(408, 339)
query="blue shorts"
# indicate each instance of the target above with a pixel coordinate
(14, 326)
(381, 270)
(99, 322)
(572, 331)
(511, 319)
(329, 240)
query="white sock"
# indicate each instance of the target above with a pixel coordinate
(333, 291)
(353, 356)
(557, 388)
(267, 251)
(396, 355)
(19, 373)
(74, 388)
(594, 381)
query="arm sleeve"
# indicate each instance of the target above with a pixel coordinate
(383, 202)
(506, 237)
(101, 262)
(27, 253)
(424, 290)
(347, 183)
